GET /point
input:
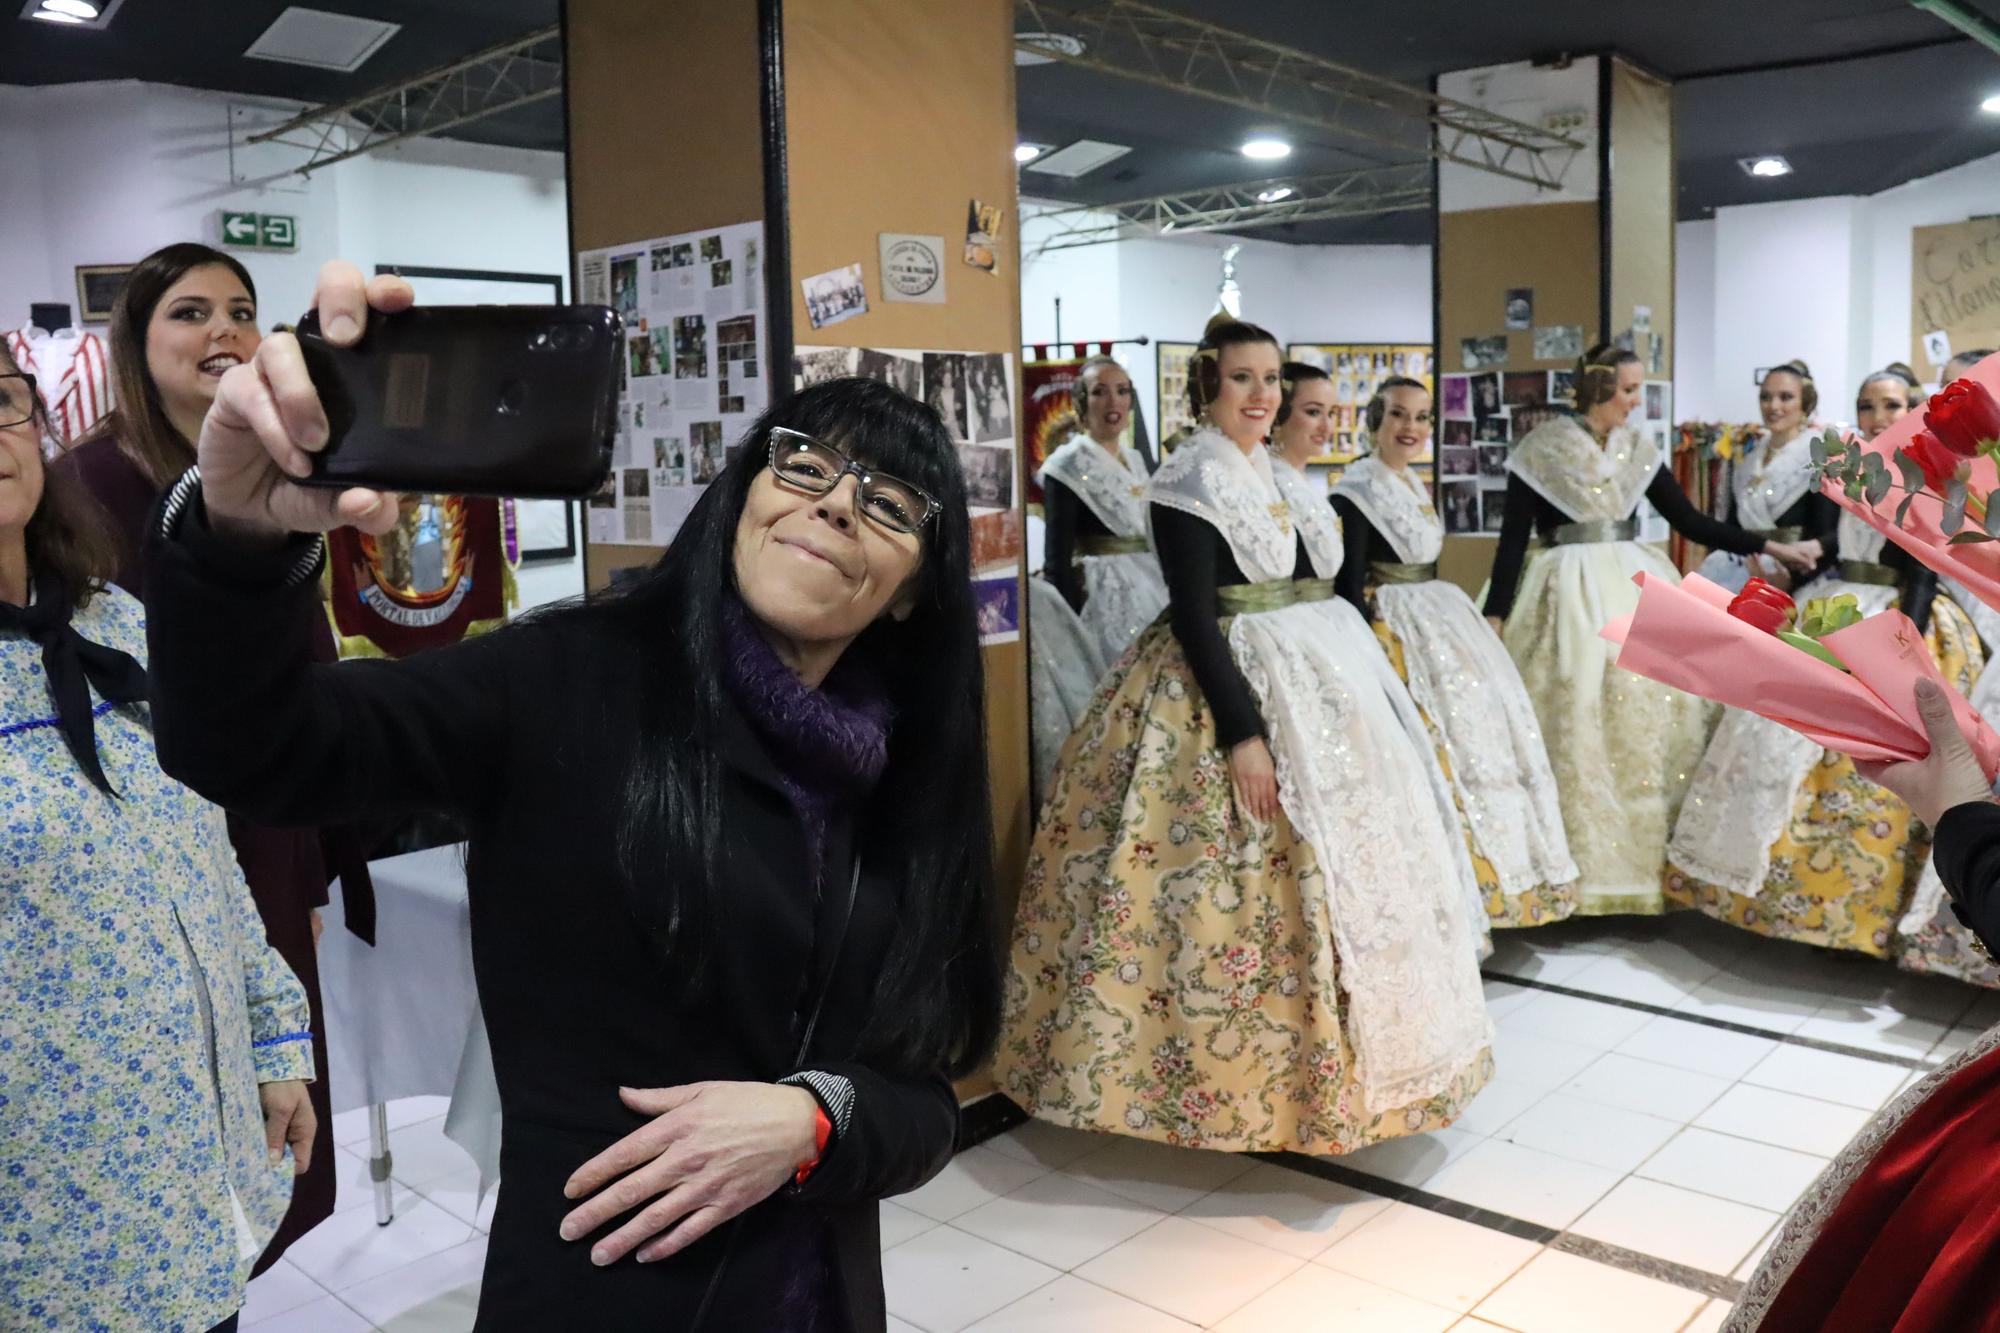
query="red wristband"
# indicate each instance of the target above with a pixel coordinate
(822, 1134)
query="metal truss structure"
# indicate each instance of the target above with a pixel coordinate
(513, 74)
(1345, 194)
(1134, 40)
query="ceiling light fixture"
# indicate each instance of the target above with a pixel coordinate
(1266, 149)
(1028, 152)
(81, 10)
(54, 16)
(1991, 106)
(72, 13)
(1769, 167)
(1044, 48)
(1272, 196)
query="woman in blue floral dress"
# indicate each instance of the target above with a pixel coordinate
(154, 1049)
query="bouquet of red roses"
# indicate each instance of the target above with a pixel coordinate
(1825, 671)
(1927, 482)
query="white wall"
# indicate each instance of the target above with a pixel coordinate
(1694, 321)
(105, 173)
(1963, 192)
(1165, 287)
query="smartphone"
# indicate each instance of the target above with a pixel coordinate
(503, 400)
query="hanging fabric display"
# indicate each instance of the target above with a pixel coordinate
(444, 571)
(72, 374)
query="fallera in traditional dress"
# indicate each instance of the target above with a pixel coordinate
(1183, 973)
(1468, 689)
(1786, 839)
(1099, 555)
(1622, 747)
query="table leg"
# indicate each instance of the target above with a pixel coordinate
(378, 1164)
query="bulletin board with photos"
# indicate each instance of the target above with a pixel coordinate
(973, 392)
(1481, 417)
(693, 307)
(1357, 371)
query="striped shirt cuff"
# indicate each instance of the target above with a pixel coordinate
(834, 1092)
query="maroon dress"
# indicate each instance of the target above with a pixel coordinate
(288, 868)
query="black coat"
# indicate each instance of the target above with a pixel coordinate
(521, 734)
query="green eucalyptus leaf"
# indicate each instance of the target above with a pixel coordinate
(1970, 537)
(1876, 487)
(1903, 510)
(1913, 476)
(1992, 524)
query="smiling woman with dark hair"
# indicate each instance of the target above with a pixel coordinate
(730, 866)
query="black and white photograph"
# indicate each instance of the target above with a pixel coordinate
(903, 373)
(1459, 462)
(1562, 386)
(1454, 433)
(944, 389)
(1656, 402)
(1494, 430)
(1479, 353)
(1558, 342)
(1459, 504)
(719, 273)
(1522, 420)
(1521, 307)
(834, 295)
(817, 365)
(989, 475)
(683, 255)
(1493, 512)
(711, 248)
(1493, 461)
(990, 416)
(1485, 396)
(690, 347)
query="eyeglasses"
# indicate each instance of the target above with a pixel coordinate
(816, 468)
(18, 400)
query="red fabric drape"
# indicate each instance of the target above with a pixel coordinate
(1914, 1247)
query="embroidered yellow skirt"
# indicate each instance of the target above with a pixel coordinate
(1161, 982)
(1537, 906)
(1842, 871)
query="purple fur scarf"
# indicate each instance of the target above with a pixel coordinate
(830, 744)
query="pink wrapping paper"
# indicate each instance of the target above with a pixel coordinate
(1683, 635)
(1977, 566)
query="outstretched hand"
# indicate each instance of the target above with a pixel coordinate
(1948, 776)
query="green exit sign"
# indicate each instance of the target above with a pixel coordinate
(260, 231)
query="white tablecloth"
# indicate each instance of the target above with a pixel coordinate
(402, 1018)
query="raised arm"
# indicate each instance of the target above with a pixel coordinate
(1681, 515)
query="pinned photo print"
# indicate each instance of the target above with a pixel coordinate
(989, 475)
(834, 296)
(944, 389)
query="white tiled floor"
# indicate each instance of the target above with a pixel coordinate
(1651, 1133)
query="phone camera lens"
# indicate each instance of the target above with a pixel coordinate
(513, 398)
(542, 339)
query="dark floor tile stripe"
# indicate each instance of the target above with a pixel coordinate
(1725, 1025)
(1646, 1265)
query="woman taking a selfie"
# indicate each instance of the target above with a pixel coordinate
(730, 866)
(184, 317)
(154, 1046)
(1457, 669)
(1249, 921)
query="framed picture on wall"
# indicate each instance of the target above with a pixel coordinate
(547, 527)
(1172, 406)
(97, 288)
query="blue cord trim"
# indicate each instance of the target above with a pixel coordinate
(281, 1040)
(35, 724)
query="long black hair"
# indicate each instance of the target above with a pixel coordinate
(928, 822)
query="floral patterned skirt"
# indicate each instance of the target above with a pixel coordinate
(1841, 871)
(1536, 906)
(1166, 979)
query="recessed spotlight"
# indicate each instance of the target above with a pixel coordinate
(1045, 48)
(1768, 167)
(1272, 196)
(78, 9)
(74, 13)
(1991, 106)
(1266, 149)
(54, 16)
(1028, 152)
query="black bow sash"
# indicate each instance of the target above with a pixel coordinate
(74, 665)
